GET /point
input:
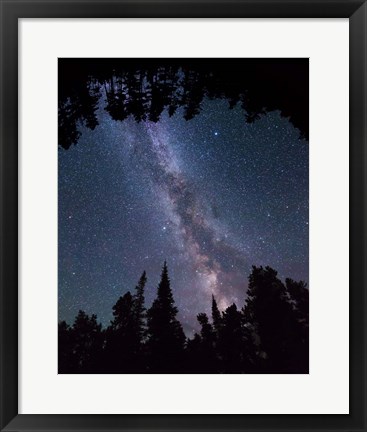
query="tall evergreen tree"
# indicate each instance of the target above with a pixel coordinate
(87, 343)
(230, 341)
(123, 321)
(269, 315)
(207, 358)
(166, 337)
(121, 344)
(216, 316)
(139, 311)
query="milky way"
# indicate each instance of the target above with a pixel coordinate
(213, 196)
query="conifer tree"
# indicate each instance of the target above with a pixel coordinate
(206, 358)
(269, 335)
(216, 316)
(269, 315)
(87, 342)
(123, 314)
(166, 337)
(299, 298)
(121, 341)
(231, 340)
(139, 311)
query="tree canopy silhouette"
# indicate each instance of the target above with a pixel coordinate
(144, 88)
(268, 335)
(80, 346)
(166, 337)
(125, 335)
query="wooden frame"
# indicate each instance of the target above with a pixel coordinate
(11, 11)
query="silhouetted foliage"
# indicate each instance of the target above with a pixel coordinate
(80, 346)
(299, 298)
(139, 311)
(125, 336)
(121, 342)
(202, 355)
(270, 315)
(269, 334)
(216, 316)
(144, 88)
(65, 343)
(166, 337)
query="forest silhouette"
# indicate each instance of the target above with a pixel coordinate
(268, 335)
(145, 88)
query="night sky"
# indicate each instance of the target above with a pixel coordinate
(212, 196)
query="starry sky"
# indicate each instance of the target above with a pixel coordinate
(212, 196)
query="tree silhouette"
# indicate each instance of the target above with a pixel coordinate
(206, 358)
(166, 337)
(139, 311)
(269, 335)
(230, 340)
(65, 351)
(86, 339)
(121, 343)
(299, 296)
(144, 89)
(216, 316)
(270, 316)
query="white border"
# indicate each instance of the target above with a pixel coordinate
(325, 389)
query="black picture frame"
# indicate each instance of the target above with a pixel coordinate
(11, 11)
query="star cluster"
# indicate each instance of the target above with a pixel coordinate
(212, 196)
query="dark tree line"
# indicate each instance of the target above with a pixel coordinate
(144, 88)
(268, 335)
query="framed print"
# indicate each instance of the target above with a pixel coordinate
(183, 242)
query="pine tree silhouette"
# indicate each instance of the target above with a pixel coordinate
(140, 329)
(139, 312)
(206, 359)
(166, 337)
(270, 316)
(86, 338)
(216, 316)
(144, 89)
(230, 344)
(121, 346)
(299, 297)
(269, 334)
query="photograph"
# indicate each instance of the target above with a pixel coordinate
(183, 207)
(183, 216)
